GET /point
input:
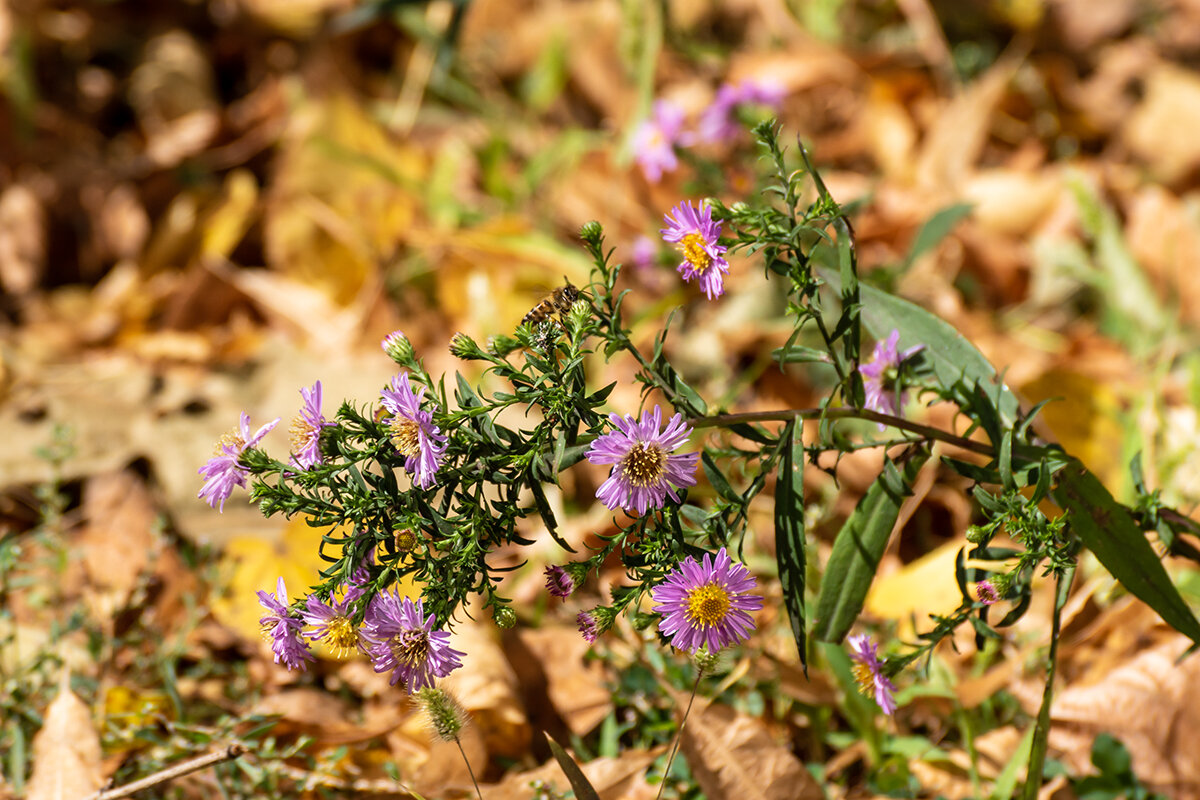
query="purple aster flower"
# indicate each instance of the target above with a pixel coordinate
(696, 235)
(587, 626)
(717, 122)
(986, 591)
(223, 471)
(642, 253)
(283, 629)
(884, 359)
(559, 582)
(763, 91)
(333, 623)
(645, 469)
(706, 604)
(306, 429)
(400, 638)
(868, 671)
(413, 433)
(655, 139)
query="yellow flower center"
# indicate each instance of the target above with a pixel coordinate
(301, 432)
(405, 435)
(341, 636)
(233, 439)
(692, 247)
(404, 539)
(865, 678)
(643, 465)
(708, 604)
(410, 647)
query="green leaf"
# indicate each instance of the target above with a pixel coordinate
(1108, 530)
(790, 534)
(579, 782)
(952, 357)
(934, 230)
(858, 548)
(718, 480)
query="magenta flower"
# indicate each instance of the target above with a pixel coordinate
(645, 469)
(283, 629)
(718, 122)
(642, 253)
(655, 139)
(400, 638)
(413, 433)
(706, 604)
(868, 671)
(306, 429)
(223, 471)
(697, 236)
(986, 591)
(333, 623)
(884, 360)
(559, 582)
(588, 626)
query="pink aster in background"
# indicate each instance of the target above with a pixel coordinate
(706, 604)
(868, 671)
(332, 623)
(718, 122)
(697, 236)
(223, 471)
(642, 253)
(306, 429)
(655, 139)
(645, 470)
(283, 629)
(413, 433)
(400, 638)
(884, 359)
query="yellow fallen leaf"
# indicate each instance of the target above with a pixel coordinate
(925, 586)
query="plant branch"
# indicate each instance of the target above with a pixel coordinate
(171, 773)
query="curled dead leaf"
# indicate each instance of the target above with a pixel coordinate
(66, 751)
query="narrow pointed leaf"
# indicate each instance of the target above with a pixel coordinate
(1108, 530)
(579, 782)
(790, 534)
(858, 548)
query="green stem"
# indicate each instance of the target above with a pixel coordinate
(679, 736)
(927, 431)
(1041, 731)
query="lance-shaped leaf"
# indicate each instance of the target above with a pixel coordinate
(951, 355)
(789, 532)
(579, 783)
(858, 548)
(1108, 530)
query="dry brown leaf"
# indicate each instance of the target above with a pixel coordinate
(1161, 130)
(173, 95)
(734, 755)
(66, 751)
(117, 541)
(620, 778)
(577, 688)
(1152, 705)
(22, 239)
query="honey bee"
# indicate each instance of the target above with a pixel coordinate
(559, 302)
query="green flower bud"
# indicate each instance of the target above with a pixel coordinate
(592, 233)
(398, 348)
(504, 617)
(464, 347)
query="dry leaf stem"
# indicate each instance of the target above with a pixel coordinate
(171, 773)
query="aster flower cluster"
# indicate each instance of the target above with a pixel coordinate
(656, 138)
(396, 634)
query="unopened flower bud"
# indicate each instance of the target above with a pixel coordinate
(464, 347)
(976, 535)
(592, 232)
(504, 617)
(398, 348)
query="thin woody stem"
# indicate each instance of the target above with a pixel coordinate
(928, 431)
(470, 771)
(679, 735)
(171, 773)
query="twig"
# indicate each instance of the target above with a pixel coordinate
(171, 773)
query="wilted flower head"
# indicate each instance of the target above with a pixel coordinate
(706, 604)
(558, 582)
(283, 629)
(868, 671)
(645, 469)
(595, 622)
(655, 139)
(986, 591)
(413, 433)
(306, 429)
(332, 623)
(222, 472)
(401, 639)
(884, 359)
(697, 235)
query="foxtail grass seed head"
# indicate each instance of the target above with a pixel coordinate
(445, 714)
